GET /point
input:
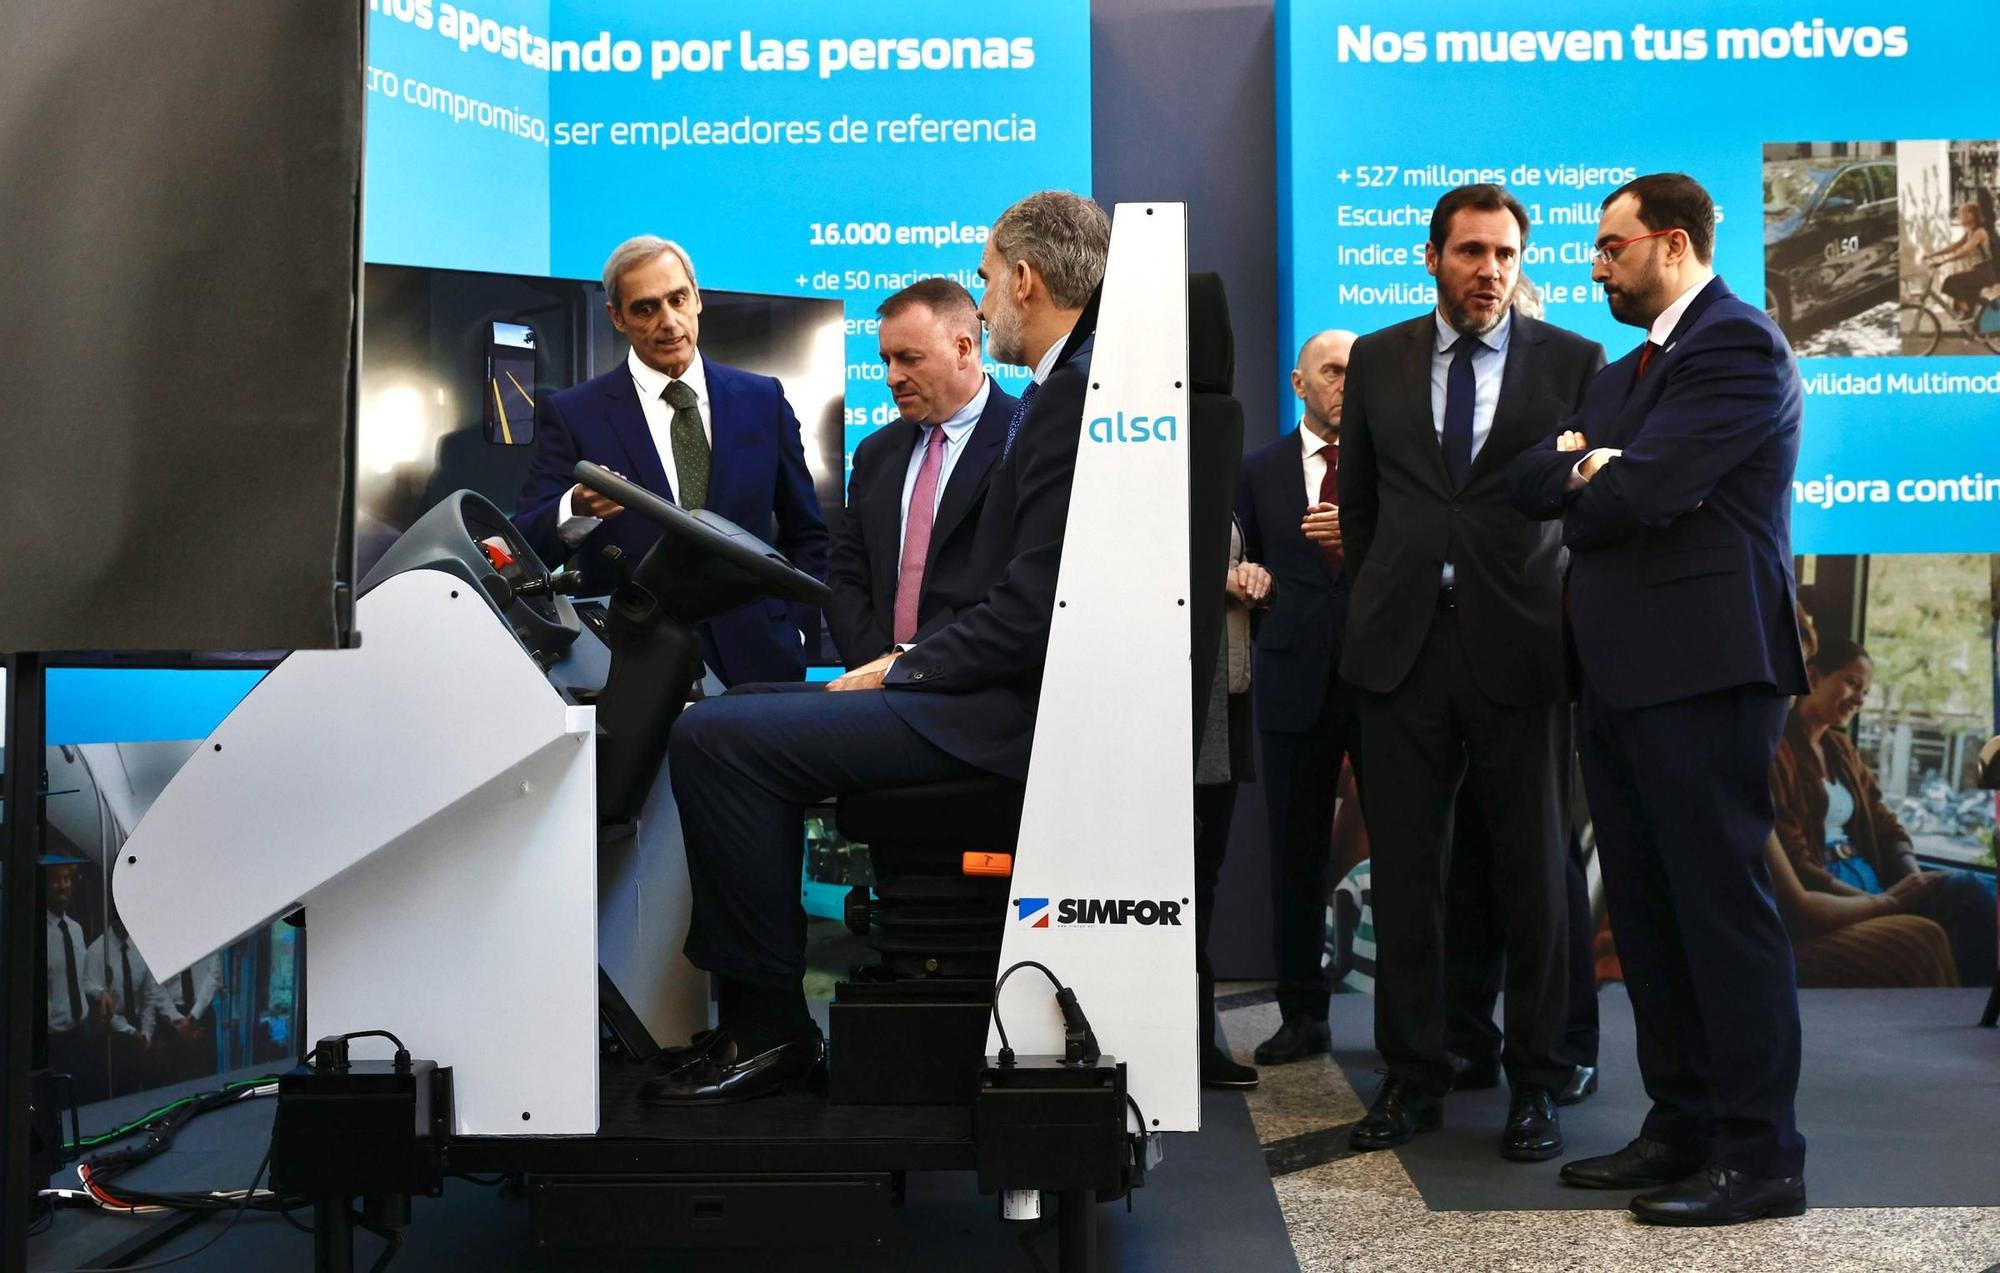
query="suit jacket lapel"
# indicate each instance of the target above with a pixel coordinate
(723, 420)
(1289, 477)
(1417, 382)
(628, 424)
(1712, 291)
(974, 467)
(885, 512)
(1517, 384)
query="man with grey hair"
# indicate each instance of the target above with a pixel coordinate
(914, 494)
(960, 700)
(666, 417)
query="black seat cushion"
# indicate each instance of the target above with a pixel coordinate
(963, 815)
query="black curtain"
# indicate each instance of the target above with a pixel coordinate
(179, 248)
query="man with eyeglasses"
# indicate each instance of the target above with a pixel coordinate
(1673, 486)
(1454, 647)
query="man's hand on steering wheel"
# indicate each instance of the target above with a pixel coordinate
(585, 502)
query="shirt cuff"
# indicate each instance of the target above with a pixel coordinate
(1577, 481)
(571, 528)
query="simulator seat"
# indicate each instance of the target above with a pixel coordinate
(911, 1028)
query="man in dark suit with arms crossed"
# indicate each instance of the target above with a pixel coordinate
(958, 702)
(1454, 644)
(689, 430)
(1673, 484)
(895, 554)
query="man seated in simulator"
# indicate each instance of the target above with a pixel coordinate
(915, 487)
(956, 701)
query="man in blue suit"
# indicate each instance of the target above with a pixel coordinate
(1287, 503)
(895, 553)
(958, 701)
(1673, 483)
(692, 431)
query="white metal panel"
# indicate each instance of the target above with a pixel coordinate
(474, 940)
(1109, 815)
(431, 799)
(335, 754)
(643, 910)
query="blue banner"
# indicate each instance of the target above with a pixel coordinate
(832, 150)
(1839, 146)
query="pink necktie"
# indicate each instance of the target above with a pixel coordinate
(917, 539)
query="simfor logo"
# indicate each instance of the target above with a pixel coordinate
(1032, 911)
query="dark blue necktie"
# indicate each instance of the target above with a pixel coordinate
(1020, 412)
(1459, 391)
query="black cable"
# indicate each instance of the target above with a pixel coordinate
(241, 1206)
(145, 1121)
(402, 1058)
(1029, 1234)
(388, 1253)
(1006, 1051)
(1145, 1131)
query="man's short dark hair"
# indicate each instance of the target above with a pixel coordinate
(1480, 198)
(1674, 201)
(947, 301)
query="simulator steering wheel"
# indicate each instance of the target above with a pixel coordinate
(715, 564)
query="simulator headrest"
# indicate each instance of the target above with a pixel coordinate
(1211, 341)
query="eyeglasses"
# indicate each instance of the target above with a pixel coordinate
(1608, 252)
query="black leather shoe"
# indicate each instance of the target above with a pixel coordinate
(667, 1060)
(722, 1079)
(1220, 1070)
(1640, 1165)
(1297, 1039)
(1474, 1076)
(1400, 1111)
(1532, 1133)
(1722, 1195)
(1582, 1082)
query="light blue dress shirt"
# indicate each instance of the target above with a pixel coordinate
(956, 430)
(1488, 361)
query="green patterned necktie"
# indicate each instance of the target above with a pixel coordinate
(691, 454)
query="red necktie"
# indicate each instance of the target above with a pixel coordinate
(917, 537)
(1329, 493)
(1645, 356)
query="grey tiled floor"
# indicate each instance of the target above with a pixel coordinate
(1363, 1213)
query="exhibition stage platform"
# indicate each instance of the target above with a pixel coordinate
(1208, 1205)
(1896, 1102)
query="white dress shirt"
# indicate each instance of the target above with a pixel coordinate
(107, 976)
(649, 384)
(60, 1019)
(1489, 360)
(1670, 317)
(957, 429)
(205, 980)
(1048, 362)
(1315, 461)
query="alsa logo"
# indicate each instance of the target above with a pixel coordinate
(1074, 912)
(1119, 427)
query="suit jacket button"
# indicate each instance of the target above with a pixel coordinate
(917, 675)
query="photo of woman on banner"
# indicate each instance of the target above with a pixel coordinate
(1841, 838)
(1973, 247)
